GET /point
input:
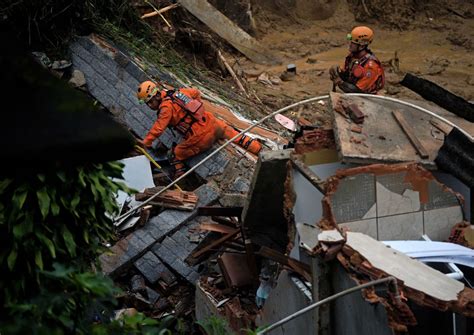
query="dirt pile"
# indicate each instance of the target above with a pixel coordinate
(406, 14)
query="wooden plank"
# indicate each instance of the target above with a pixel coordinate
(219, 211)
(228, 116)
(219, 228)
(215, 244)
(443, 127)
(297, 266)
(175, 199)
(229, 31)
(411, 134)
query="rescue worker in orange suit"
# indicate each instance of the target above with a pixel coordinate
(362, 71)
(183, 111)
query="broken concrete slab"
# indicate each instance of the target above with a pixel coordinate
(381, 139)
(269, 205)
(392, 202)
(412, 273)
(288, 296)
(206, 307)
(130, 248)
(330, 236)
(229, 31)
(365, 258)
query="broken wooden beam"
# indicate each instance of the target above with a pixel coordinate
(410, 132)
(215, 227)
(297, 266)
(217, 243)
(232, 73)
(229, 31)
(160, 11)
(443, 127)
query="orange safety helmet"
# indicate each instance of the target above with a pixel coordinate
(146, 91)
(361, 35)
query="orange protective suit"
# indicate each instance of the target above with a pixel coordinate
(200, 136)
(366, 73)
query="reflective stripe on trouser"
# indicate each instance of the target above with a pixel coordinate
(246, 142)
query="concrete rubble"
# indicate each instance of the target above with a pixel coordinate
(267, 236)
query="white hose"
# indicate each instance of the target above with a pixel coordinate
(284, 109)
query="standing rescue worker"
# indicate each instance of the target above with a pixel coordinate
(183, 110)
(362, 71)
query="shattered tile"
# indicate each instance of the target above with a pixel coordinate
(391, 203)
(368, 227)
(354, 198)
(439, 197)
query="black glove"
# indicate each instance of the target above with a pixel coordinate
(334, 72)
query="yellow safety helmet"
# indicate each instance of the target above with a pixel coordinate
(361, 35)
(146, 91)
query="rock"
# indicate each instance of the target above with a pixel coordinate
(77, 79)
(137, 284)
(311, 61)
(233, 200)
(60, 65)
(252, 73)
(264, 79)
(240, 185)
(392, 90)
(287, 76)
(275, 80)
(470, 80)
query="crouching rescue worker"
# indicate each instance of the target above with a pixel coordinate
(362, 71)
(183, 111)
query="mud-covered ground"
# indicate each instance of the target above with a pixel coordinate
(436, 43)
(432, 39)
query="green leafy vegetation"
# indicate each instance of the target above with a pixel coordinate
(52, 228)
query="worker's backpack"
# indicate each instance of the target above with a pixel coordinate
(191, 106)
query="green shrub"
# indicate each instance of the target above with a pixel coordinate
(52, 227)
